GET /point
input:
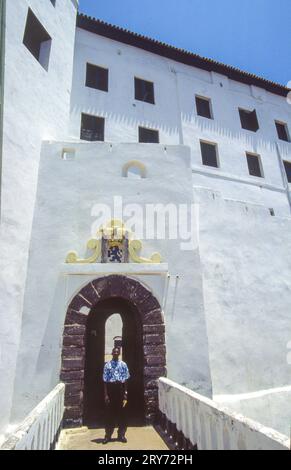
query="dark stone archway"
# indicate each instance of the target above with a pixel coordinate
(74, 338)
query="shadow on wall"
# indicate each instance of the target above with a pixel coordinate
(127, 123)
(127, 127)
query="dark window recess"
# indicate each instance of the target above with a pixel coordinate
(97, 77)
(92, 128)
(249, 120)
(148, 136)
(37, 40)
(144, 91)
(203, 107)
(282, 131)
(287, 166)
(254, 165)
(209, 154)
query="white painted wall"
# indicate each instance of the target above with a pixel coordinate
(245, 251)
(270, 407)
(67, 191)
(174, 114)
(245, 254)
(249, 247)
(36, 106)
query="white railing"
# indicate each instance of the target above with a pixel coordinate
(39, 431)
(208, 426)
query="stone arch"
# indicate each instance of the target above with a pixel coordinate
(134, 164)
(73, 353)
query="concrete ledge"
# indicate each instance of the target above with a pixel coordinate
(114, 268)
(217, 173)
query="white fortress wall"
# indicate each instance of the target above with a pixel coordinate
(245, 255)
(174, 115)
(36, 106)
(122, 112)
(238, 295)
(67, 192)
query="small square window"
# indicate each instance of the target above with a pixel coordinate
(92, 128)
(97, 77)
(287, 166)
(37, 40)
(149, 136)
(144, 91)
(209, 154)
(282, 130)
(68, 154)
(254, 165)
(249, 120)
(203, 106)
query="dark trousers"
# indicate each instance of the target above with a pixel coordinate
(115, 413)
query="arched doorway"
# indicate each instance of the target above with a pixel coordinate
(132, 354)
(83, 349)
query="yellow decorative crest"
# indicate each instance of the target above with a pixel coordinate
(114, 244)
(93, 244)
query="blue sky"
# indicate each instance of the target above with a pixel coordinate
(253, 35)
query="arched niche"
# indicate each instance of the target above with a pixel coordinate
(134, 168)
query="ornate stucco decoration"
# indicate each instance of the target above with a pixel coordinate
(114, 243)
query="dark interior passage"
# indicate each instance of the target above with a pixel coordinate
(94, 406)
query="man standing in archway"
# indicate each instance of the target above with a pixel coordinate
(115, 378)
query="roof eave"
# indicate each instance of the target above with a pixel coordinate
(142, 42)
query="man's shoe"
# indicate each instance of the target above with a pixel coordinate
(122, 439)
(106, 440)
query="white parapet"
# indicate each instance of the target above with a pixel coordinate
(212, 427)
(40, 429)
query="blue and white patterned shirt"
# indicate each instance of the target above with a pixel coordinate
(115, 371)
